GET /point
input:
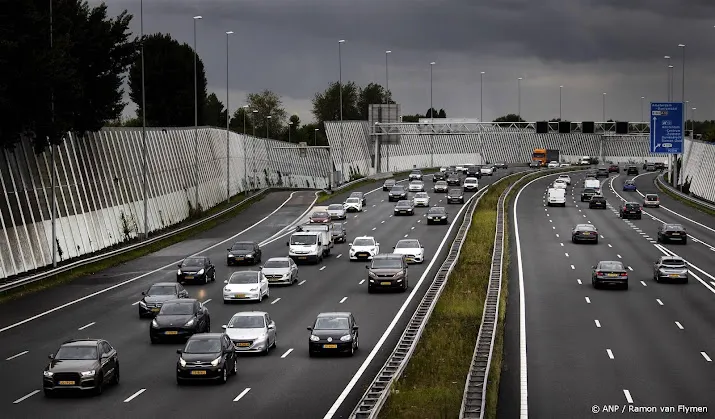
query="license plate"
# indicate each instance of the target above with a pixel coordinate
(239, 257)
(189, 277)
(171, 332)
(612, 275)
(67, 383)
(409, 260)
(385, 283)
(198, 372)
(586, 234)
(673, 275)
(244, 344)
(402, 211)
(240, 295)
(155, 310)
(676, 234)
(302, 257)
(632, 212)
(330, 346)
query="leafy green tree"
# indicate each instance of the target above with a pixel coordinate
(169, 80)
(371, 94)
(442, 114)
(512, 117)
(73, 85)
(326, 105)
(431, 113)
(215, 113)
(412, 118)
(236, 123)
(267, 103)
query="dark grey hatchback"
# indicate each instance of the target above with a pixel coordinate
(333, 333)
(206, 356)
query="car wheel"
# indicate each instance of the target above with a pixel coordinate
(213, 277)
(370, 290)
(100, 386)
(656, 278)
(352, 350)
(260, 297)
(153, 340)
(48, 393)
(685, 241)
(206, 279)
(268, 293)
(357, 342)
(625, 287)
(596, 241)
(594, 283)
(235, 367)
(115, 379)
(224, 376)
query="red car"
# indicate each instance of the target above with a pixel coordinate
(614, 168)
(320, 217)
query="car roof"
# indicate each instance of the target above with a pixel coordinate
(416, 181)
(388, 256)
(364, 237)
(437, 208)
(672, 258)
(470, 178)
(181, 300)
(205, 336)
(164, 284)
(404, 202)
(279, 259)
(335, 314)
(611, 262)
(249, 313)
(408, 240)
(356, 193)
(244, 242)
(586, 226)
(82, 342)
(241, 272)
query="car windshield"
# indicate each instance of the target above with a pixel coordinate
(242, 246)
(455, 192)
(632, 206)
(193, 262)
(651, 197)
(303, 240)
(629, 182)
(397, 189)
(177, 309)
(76, 353)
(403, 204)
(421, 195)
(203, 346)
(356, 195)
(416, 172)
(470, 181)
(416, 182)
(436, 210)
(320, 215)
(674, 262)
(161, 290)
(337, 227)
(613, 266)
(675, 227)
(363, 242)
(386, 263)
(270, 263)
(389, 182)
(589, 190)
(407, 244)
(598, 198)
(336, 207)
(585, 227)
(441, 183)
(245, 277)
(331, 323)
(352, 200)
(247, 322)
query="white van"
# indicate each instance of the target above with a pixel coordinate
(592, 183)
(326, 231)
(556, 196)
(306, 246)
(585, 161)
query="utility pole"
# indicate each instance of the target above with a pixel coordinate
(53, 152)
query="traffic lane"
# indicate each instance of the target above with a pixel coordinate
(558, 323)
(26, 306)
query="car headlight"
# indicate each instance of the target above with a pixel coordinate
(48, 374)
(230, 255)
(142, 304)
(154, 323)
(346, 338)
(182, 362)
(179, 272)
(190, 323)
(87, 373)
(250, 255)
(201, 272)
(314, 338)
(215, 362)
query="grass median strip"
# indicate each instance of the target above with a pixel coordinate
(433, 382)
(691, 204)
(92, 268)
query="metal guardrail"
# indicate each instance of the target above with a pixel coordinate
(475, 388)
(18, 282)
(661, 184)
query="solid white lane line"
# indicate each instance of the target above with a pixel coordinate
(276, 300)
(208, 300)
(338, 256)
(136, 303)
(598, 324)
(609, 245)
(619, 256)
(343, 300)
(287, 353)
(567, 255)
(301, 282)
(610, 353)
(243, 393)
(579, 281)
(628, 396)
(16, 355)
(86, 326)
(680, 326)
(361, 282)
(707, 358)
(588, 300)
(322, 267)
(573, 267)
(134, 396)
(25, 397)
(658, 300)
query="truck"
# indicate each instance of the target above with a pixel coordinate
(326, 231)
(545, 155)
(585, 161)
(307, 246)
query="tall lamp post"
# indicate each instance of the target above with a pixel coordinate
(692, 124)
(387, 102)
(315, 138)
(676, 173)
(560, 102)
(481, 96)
(196, 119)
(53, 148)
(604, 111)
(290, 126)
(518, 94)
(642, 103)
(254, 140)
(145, 157)
(228, 123)
(669, 77)
(340, 86)
(431, 111)
(245, 147)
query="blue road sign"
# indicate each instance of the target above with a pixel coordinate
(666, 127)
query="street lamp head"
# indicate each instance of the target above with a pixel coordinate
(433, 63)
(483, 72)
(642, 97)
(269, 117)
(681, 45)
(246, 107)
(342, 41)
(198, 17)
(604, 93)
(255, 111)
(388, 52)
(561, 87)
(670, 66)
(520, 78)
(317, 129)
(290, 122)
(229, 32)
(667, 57)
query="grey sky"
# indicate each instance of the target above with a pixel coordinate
(588, 46)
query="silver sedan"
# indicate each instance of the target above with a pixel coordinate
(336, 212)
(280, 270)
(252, 331)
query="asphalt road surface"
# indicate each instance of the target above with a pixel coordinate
(643, 349)
(286, 383)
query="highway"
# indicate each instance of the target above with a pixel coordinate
(286, 380)
(650, 346)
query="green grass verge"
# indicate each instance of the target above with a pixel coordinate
(433, 382)
(92, 268)
(691, 204)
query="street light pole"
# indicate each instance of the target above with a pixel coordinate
(196, 120)
(245, 148)
(228, 120)
(604, 111)
(315, 138)
(53, 152)
(387, 102)
(560, 102)
(145, 156)
(340, 85)
(518, 106)
(642, 117)
(253, 149)
(682, 92)
(481, 96)
(431, 111)
(668, 67)
(692, 124)
(290, 125)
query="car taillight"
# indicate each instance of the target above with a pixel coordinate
(624, 274)
(599, 273)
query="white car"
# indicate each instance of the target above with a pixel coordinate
(442, 169)
(251, 331)
(364, 247)
(421, 199)
(416, 174)
(337, 211)
(553, 165)
(565, 178)
(413, 251)
(353, 204)
(246, 285)
(416, 186)
(560, 184)
(565, 165)
(280, 270)
(487, 170)
(470, 184)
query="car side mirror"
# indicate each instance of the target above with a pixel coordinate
(310, 329)
(320, 243)
(51, 356)
(355, 328)
(143, 293)
(287, 243)
(105, 356)
(225, 281)
(223, 326)
(229, 249)
(272, 326)
(179, 351)
(350, 244)
(377, 244)
(178, 266)
(394, 247)
(260, 267)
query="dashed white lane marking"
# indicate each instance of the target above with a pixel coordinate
(619, 256)
(206, 301)
(276, 300)
(573, 267)
(658, 300)
(86, 326)
(25, 397)
(287, 353)
(136, 303)
(579, 210)
(390, 216)
(584, 215)
(610, 353)
(382, 200)
(548, 215)
(562, 245)
(601, 234)
(16, 356)
(322, 268)
(412, 228)
(588, 300)
(680, 326)
(301, 282)
(374, 228)
(243, 393)
(707, 358)
(579, 281)
(598, 324)
(554, 227)
(355, 216)
(361, 282)
(567, 255)
(382, 222)
(628, 396)
(630, 269)
(609, 245)
(419, 221)
(134, 396)
(406, 235)
(644, 284)
(338, 256)
(343, 300)
(551, 221)
(374, 205)
(557, 235)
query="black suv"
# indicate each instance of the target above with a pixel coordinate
(630, 210)
(453, 179)
(438, 176)
(587, 194)
(387, 271)
(672, 232)
(632, 170)
(474, 171)
(389, 183)
(244, 252)
(597, 201)
(196, 269)
(601, 172)
(396, 193)
(455, 196)
(83, 364)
